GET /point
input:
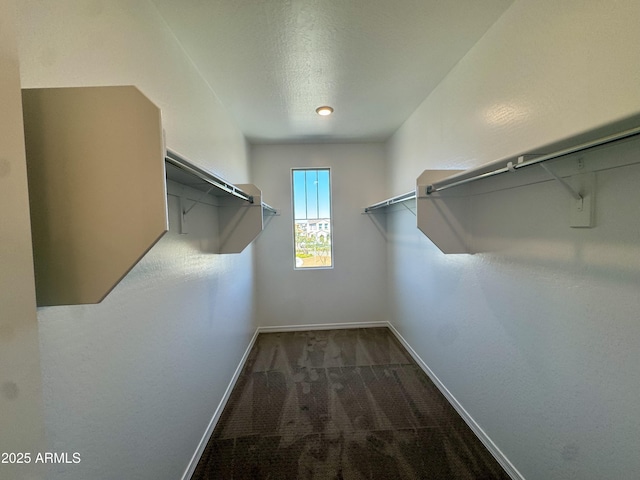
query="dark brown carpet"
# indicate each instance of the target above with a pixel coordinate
(340, 404)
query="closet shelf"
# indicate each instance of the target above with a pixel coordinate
(97, 188)
(269, 208)
(445, 218)
(391, 201)
(181, 170)
(515, 163)
(240, 209)
(98, 178)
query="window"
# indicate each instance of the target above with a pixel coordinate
(312, 218)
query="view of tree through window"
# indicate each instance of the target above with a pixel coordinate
(312, 218)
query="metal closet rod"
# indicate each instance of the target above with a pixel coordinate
(269, 208)
(452, 182)
(184, 164)
(397, 199)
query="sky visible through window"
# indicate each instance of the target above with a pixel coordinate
(312, 218)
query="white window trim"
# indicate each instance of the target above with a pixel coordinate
(293, 221)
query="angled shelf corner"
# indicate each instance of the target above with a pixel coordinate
(97, 172)
(97, 192)
(444, 216)
(241, 211)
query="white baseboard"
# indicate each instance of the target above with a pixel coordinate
(193, 463)
(511, 470)
(321, 326)
(480, 433)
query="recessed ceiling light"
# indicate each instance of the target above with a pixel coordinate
(324, 111)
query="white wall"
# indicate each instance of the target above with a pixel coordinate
(541, 350)
(21, 423)
(538, 336)
(132, 383)
(354, 290)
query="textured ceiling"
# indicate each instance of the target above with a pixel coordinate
(272, 62)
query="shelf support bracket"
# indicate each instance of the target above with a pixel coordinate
(183, 223)
(564, 184)
(184, 212)
(582, 204)
(408, 208)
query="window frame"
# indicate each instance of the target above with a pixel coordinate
(293, 219)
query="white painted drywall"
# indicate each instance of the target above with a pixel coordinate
(132, 383)
(536, 336)
(21, 424)
(354, 290)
